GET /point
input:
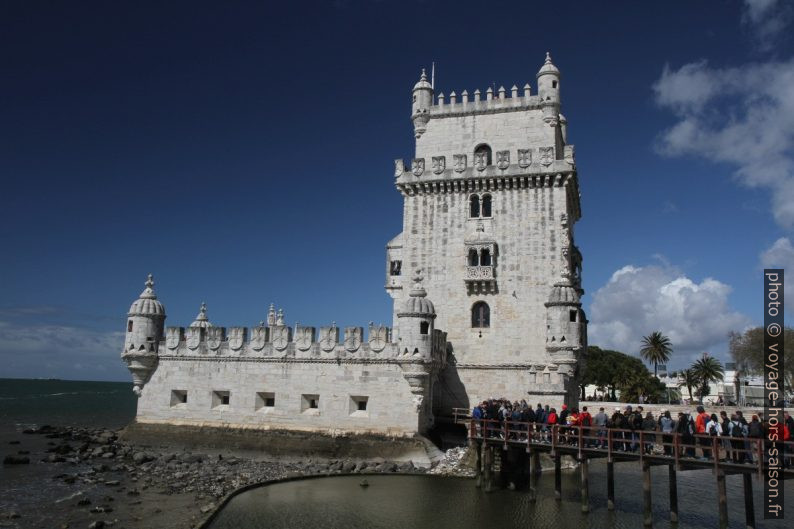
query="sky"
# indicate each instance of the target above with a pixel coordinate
(242, 152)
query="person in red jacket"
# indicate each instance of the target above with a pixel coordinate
(700, 427)
(586, 421)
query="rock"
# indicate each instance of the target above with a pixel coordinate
(141, 457)
(113, 483)
(348, 466)
(16, 460)
(207, 508)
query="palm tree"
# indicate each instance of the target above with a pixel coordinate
(656, 349)
(689, 380)
(708, 369)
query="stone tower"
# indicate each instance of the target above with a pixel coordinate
(490, 201)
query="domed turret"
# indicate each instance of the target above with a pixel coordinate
(145, 322)
(415, 321)
(549, 90)
(201, 320)
(566, 332)
(422, 101)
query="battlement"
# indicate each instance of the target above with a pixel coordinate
(500, 101)
(299, 342)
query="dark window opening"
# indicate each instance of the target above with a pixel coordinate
(270, 402)
(554, 84)
(395, 268)
(473, 259)
(313, 403)
(225, 400)
(474, 206)
(480, 315)
(129, 326)
(483, 148)
(424, 327)
(485, 258)
(572, 315)
(362, 405)
(486, 205)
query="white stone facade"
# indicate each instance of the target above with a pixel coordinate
(490, 201)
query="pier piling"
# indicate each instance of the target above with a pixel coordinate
(610, 486)
(749, 508)
(585, 485)
(646, 495)
(722, 497)
(558, 477)
(673, 482)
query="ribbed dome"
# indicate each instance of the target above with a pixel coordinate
(201, 319)
(417, 302)
(423, 83)
(147, 304)
(548, 67)
(564, 293)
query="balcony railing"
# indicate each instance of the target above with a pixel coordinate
(479, 272)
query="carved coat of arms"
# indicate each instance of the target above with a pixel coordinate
(378, 337)
(237, 338)
(280, 337)
(524, 158)
(418, 166)
(459, 162)
(304, 337)
(439, 164)
(329, 337)
(399, 167)
(193, 338)
(172, 337)
(353, 338)
(214, 337)
(258, 338)
(502, 159)
(546, 155)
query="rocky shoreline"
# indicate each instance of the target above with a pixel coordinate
(102, 481)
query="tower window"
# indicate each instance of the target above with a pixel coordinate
(129, 326)
(474, 206)
(486, 205)
(220, 398)
(395, 268)
(310, 403)
(572, 315)
(485, 258)
(483, 148)
(554, 84)
(424, 327)
(480, 315)
(473, 258)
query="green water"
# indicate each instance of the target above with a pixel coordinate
(26, 402)
(426, 502)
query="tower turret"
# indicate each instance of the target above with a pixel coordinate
(415, 321)
(145, 322)
(549, 90)
(422, 101)
(566, 333)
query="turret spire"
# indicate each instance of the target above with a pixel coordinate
(148, 292)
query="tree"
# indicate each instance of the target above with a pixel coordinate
(656, 349)
(747, 350)
(707, 370)
(689, 380)
(614, 370)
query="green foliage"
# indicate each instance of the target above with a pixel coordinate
(708, 369)
(747, 350)
(656, 349)
(689, 380)
(613, 370)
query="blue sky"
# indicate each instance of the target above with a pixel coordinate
(242, 152)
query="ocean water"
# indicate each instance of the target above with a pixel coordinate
(25, 402)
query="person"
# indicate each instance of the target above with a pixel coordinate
(586, 423)
(667, 425)
(634, 419)
(620, 423)
(686, 429)
(648, 427)
(700, 429)
(476, 417)
(714, 429)
(725, 423)
(551, 420)
(755, 430)
(601, 421)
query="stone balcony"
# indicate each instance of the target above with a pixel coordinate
(479, 272)
(480, 280)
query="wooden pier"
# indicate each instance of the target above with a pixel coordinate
(493, 440)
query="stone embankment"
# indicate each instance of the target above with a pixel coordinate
(93, 479)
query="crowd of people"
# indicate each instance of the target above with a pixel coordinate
(686, 431)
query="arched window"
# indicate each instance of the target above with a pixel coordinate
(485, 258)
(487, 150)
(474, 206)
(424, 327)
(480, 315)
(486, 206)
(129, 326)
(473, 258)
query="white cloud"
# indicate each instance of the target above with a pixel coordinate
(781, 255)
(59, 351)
(740, 116)
(766, 19)
(639, 300)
